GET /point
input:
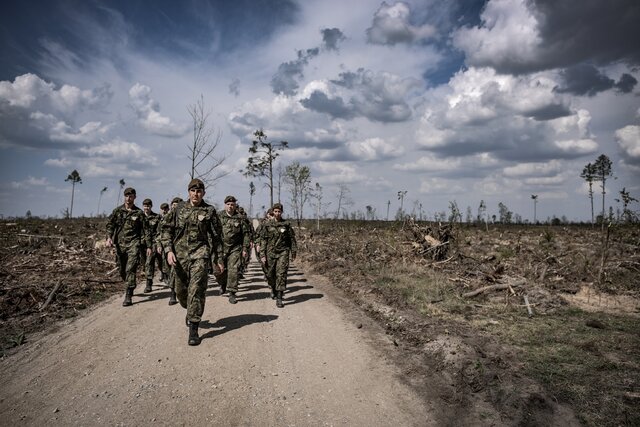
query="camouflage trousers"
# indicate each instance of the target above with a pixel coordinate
(277, 268)
(191, 279)
(127, 259)
(229, 277)
(150, 263)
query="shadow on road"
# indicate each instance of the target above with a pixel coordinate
(295, 299)
(233, 322)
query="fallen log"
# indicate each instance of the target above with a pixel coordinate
(498, 287)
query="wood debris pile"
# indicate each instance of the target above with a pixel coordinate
(433, 241)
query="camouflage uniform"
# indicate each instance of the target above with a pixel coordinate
(128, 230)
(192, 233)
(278, 242)
(153, 220)
(235, 240)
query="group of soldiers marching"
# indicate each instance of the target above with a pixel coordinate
(190, 240)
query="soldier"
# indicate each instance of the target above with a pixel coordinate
(149, 262)
(247, 257)
(277, 244)
(191, 241)
(235, 245)
(172, 274)
(157, 241)
(127, 231)
(267, 217)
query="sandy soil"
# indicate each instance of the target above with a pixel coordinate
(312, 363)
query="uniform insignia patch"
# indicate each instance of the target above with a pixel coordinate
(200, 217)
(282, 230)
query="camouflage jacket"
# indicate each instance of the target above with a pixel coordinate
(192, 232)
(128, 227)
(277, 238)
(153, 220)
(236, 235)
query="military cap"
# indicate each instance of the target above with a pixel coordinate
(176, 200)
(129, 190)
(146, 202)
(277, 206)
(230, 199)
(164, 206)
(195, 183)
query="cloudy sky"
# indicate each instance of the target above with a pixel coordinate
(449, 101)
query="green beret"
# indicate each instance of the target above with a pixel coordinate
(147, 202)
(230, 199)
(277, 206)
(195, 183)
(176, 200)
(129, 190)
(164, 206)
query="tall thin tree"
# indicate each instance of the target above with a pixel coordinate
(298, 178)
(252, 192)
(122, 184)
(589, 175)
(603, 171)
(74, 177)
(260, 162)
(534, 197)
(100, 199)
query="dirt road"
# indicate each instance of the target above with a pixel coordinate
(310, 364)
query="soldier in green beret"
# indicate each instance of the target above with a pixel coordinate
(235, 245)
(191, 241)
(277, 243)
(127, 230)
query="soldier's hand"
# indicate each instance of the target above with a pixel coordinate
(109, 242)
(263, 259)
(159, 251)
(171, 259)
(220, 268)
(149, 252)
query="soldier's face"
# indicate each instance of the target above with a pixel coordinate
(165, 210)
(173, 205)
(230, 207)
(129, 199)
(146, 209)
(195, 196)
(277, 214)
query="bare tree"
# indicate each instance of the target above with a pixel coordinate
(317, 196)
(388, 206)
(298, 178)
(534, 197)
(626, 199)
(74, 177)
(260, 162)
(281, 176)
(344, 198)
(205, 161)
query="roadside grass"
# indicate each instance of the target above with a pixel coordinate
(589, 361)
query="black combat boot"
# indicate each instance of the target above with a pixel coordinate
(232, 298)
(148, 288)
(194, 339)
(172, 299)
(127, 298)
(279, 302)
(273, 292)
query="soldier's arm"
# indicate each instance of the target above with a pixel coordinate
(168, 231)
(111, 227)
(216, 237)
